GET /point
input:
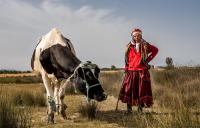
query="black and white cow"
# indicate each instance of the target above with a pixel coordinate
(55, 60)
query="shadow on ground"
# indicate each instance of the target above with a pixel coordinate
(134, 119)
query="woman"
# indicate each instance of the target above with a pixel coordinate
(136, 86)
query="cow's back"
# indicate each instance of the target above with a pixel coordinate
(54, 37)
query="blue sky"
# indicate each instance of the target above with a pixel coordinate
(100, 29)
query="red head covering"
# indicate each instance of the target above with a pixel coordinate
(136, 30)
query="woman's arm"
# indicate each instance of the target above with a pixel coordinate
(152, 51)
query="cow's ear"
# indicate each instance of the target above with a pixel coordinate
(96, 72)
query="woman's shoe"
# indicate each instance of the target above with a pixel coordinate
(129, 109)
(140, 108)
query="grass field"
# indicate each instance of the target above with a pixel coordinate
(175, 92)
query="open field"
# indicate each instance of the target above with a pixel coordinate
(176, 103)
(17, 75)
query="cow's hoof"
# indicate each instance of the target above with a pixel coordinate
(140, 108)
(63, 114)
(62, 111)
(50, 118)
(64, 106)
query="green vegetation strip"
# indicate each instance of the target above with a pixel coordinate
(19, 80)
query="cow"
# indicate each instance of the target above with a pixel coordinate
(54, 58)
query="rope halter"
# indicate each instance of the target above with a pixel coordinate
(85, 65)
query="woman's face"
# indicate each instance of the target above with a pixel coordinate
(137, 37)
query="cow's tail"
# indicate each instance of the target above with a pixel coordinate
(32, 60)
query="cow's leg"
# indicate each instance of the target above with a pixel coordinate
(56, 96)
(61, 94)
(50, 98)
(75, 91)
(63, 106)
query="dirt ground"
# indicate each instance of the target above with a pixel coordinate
(106, 116)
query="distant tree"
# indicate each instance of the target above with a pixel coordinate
(113, 67)
(169, 62)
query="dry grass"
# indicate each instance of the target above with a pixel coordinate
(17, 75)
(176, 103)
(88, 110)
(24, 95)
(111, 81)
(12, 116)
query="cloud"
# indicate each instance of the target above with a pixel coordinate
(98, 35)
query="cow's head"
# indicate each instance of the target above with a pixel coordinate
(86, 81)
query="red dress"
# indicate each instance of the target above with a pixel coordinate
(136, 86)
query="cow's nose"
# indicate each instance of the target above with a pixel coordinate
(100, 97)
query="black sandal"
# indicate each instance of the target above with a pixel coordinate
(140, 108)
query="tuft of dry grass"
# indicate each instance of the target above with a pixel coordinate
(12, 116)
(88, 110)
